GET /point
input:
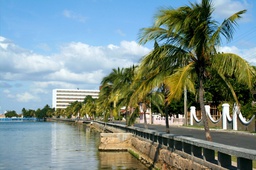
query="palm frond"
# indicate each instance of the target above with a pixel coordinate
(229, 64)
(177, 81)
(226, 28)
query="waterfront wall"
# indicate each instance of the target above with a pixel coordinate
(168, 150)
(151, 154)
(115, 141)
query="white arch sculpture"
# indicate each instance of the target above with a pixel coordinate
(194, 117)
(225, 116)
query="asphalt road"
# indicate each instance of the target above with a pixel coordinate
(227, 137)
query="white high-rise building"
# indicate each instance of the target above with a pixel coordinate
(61, 98)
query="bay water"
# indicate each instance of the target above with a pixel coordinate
(57, 145)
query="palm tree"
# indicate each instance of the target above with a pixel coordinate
(110, 90)
(76, 107)
(113, 88)
(152, 72)
(89, 107)
(190, 37)
(103, 103)
(68, 112)
(124, 90)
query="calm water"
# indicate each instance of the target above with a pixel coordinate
(53, 145)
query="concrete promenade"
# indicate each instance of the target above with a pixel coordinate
(227, 137)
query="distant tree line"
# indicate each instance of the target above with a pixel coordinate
(45, 112)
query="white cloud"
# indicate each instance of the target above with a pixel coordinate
(26, 97)
(225, 8)
(247, 54)
(112, 47)
(16, 63)
(30, 77)
(80, 57)
(66, 75)
(32, 63)
(131, 47)
(53, 84)
(76, 63)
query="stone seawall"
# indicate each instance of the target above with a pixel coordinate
(152, 155)
(115, 141)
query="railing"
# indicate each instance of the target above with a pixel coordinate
(210, 154)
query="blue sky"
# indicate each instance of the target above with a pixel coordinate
(48, 44)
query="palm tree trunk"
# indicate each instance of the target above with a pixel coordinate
(126, 117)
(204, 117)
(144, 108)
(166, 118)
(145, 120)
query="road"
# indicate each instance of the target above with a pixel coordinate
(227, 137)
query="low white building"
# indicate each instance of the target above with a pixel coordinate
(61, 98)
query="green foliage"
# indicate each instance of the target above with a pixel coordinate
(45, 112)
(58, 113)
(248, 110)
(133, 116)
(68, 112)
(136, 155)
(11, 113)
(28, 113)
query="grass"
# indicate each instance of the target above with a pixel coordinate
(134, 154)
(233, 159)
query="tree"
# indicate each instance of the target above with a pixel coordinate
(116, 91)
(189, 37)
(28, 113)
(152, 72)
(126, 90)
(11, 113)
(59, 112)
(44, 113)
(68, 112)
(76, 107)
(88, 107)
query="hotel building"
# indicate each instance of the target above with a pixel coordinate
(61, 98)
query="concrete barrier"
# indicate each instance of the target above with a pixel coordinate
(209, 154)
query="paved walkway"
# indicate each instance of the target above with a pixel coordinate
(227, 137)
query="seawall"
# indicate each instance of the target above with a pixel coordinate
(195, 151)
(153, 155)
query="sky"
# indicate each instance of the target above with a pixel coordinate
(52, 44)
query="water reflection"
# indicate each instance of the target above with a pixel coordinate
(61, 146)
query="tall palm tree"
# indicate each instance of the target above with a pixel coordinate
(125, 91)
(109, 95)
(114, 90)
(89, 107)
(76, 107)
(103, 103)
(152, 72)
(191, 36)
